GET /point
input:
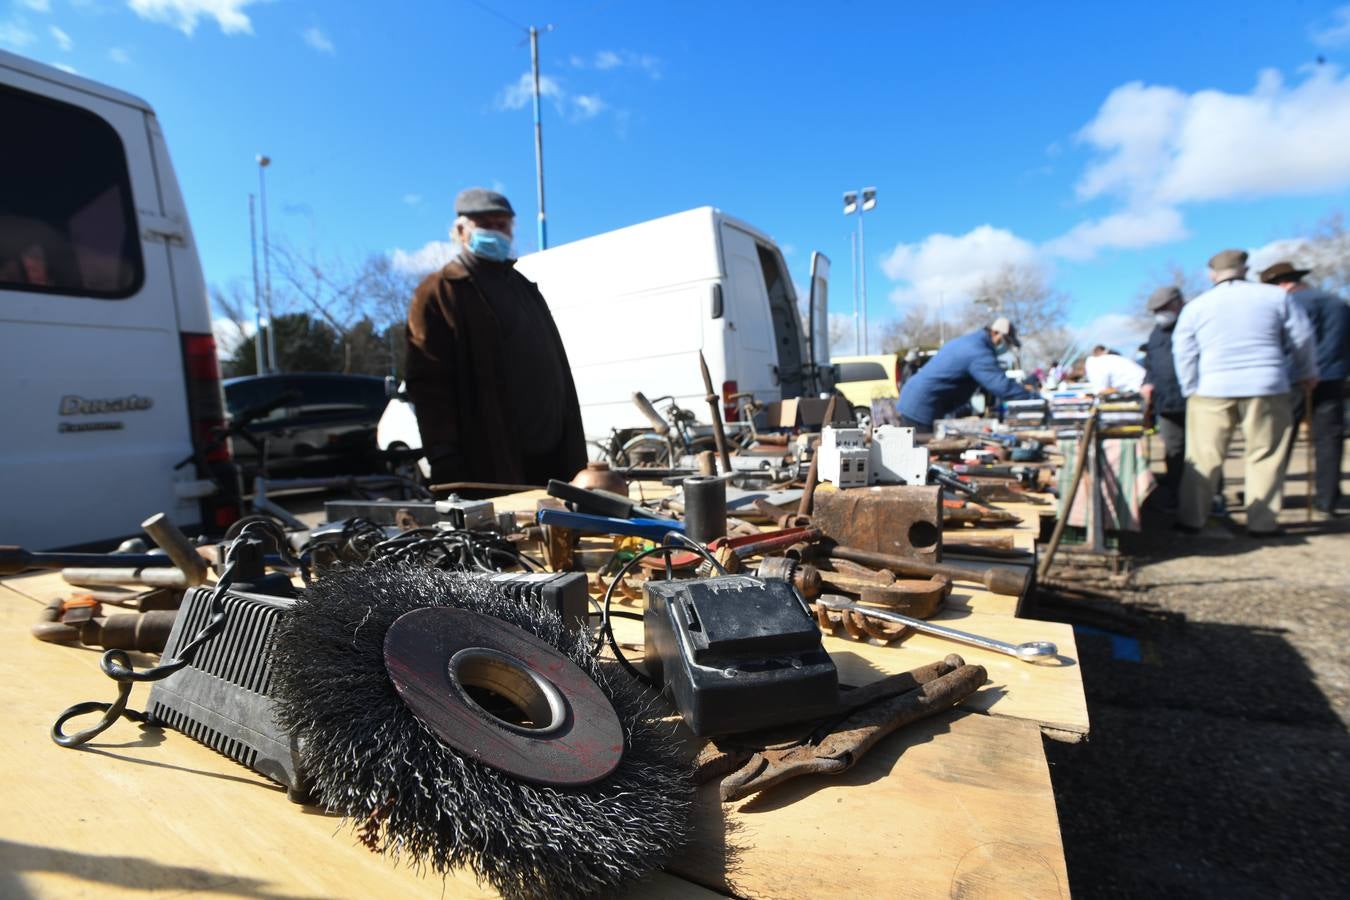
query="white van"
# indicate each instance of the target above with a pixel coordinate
(636, 305)
(107, 361)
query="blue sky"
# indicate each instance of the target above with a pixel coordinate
(1097, 143)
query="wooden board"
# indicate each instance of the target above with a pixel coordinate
(958, 805)
(152, 810)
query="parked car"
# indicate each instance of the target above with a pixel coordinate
(316, 420)
(862, 379)
(111, 383)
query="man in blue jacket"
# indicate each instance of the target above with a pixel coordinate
(1330, 318)
(949, 379)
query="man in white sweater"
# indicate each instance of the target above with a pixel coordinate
(1234, 347)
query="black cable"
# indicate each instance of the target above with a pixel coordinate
(607, 631)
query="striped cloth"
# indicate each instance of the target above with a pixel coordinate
(1125, 479)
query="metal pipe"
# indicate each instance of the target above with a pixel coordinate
(705, 507)
(719, 436)
(165, 577)
(178, 547)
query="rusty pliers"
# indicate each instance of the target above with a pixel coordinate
(748, 763)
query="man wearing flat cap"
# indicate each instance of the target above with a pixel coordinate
(1330, 318)
(1230, 347)
(487, 372)
(1162, 390)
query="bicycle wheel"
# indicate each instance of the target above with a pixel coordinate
(645, 450)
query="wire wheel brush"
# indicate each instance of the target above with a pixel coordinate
(458, 727)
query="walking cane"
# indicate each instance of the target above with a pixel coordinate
(1312, 460)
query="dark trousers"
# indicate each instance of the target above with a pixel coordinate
(1172, 430)
(1328, 434)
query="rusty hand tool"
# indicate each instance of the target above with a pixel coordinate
(1030, 651)
(740, 547)
(178, 548)
(15, 559)
(1001, 581)
(752, 763)
(715, 410)
(813, 474)
(80, 620)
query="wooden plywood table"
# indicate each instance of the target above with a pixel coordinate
(957, 804)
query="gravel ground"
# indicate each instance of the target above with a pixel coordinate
(1219, 761)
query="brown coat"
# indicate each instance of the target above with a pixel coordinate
(456, 361)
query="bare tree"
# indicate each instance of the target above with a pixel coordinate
(1026, 298)
(360, 302)
(917, 329)
(1327, 252)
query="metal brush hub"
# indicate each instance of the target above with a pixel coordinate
(501, 674)
(463, 673)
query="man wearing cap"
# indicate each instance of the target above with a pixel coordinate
(1330, 318)
(1163, 392)
(1229, 348)
(487, 372)
(947, 381)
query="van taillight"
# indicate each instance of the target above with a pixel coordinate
(206, 407)
(730, 410)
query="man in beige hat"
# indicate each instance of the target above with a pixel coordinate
(1229, 347)
(1330, 318)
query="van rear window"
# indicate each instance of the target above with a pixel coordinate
(67, 224)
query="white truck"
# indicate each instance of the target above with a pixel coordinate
(108, 365)
(636, 305)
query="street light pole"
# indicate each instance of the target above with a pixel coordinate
(860, 202)
(257, 300)
(538, 136)
(853, 261)
(263, 163)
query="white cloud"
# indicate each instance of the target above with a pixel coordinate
(588, 106)
(315, 37)
(412, 199)
(62, 39)
(1160, 146)
(427, 258)
(228, 335)
(606, 60)
(1130, 229)
(41, 6)
(119, 56)
(575, 107)
(944, 268)
(15, 34)
(184, 14)
(1334, 33)
(516, 96)
(1117, 331)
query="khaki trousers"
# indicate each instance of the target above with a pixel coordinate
(1210, 421)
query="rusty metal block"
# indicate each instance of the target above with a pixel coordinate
(903, 520)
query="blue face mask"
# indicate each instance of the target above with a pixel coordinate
(488, 244)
